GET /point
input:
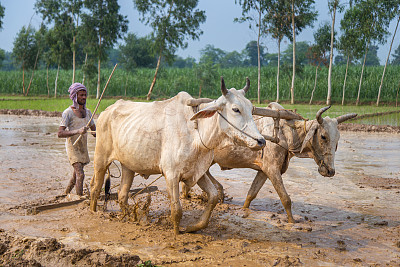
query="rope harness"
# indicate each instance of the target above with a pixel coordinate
(196, 126)
(319, 159)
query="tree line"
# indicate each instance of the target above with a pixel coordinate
(84, 32)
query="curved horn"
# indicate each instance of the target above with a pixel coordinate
(319, 113)
(346, 117)
(223, 88)
(246, 88)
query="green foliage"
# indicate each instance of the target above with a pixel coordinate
(207, 73)
(317, 54)
(104, 23)
(251, 54)
(25, 47)
(304, 14)
(372, 56)
(59, 42)
(301, 53)
(211, 54)
(365, 22)
(172, 23)
(2, 9)
(180, 62)
(261, 7)
(173, 80)
(396, 56)
(279, 21)
(137, 52)
(2, 57)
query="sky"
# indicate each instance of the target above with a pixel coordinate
(218, 30)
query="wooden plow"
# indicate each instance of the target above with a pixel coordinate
(113, 196)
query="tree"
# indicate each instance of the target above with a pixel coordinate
(232, 59)
(172, 22)
(59, 41)
(368, 21)
(65, 13)
(104, 20)
(278, 25)
(137, 52)
(302, 49)
(261, 8)
(207, 73)
(317, 54)
(302, 15)
(333, 6)
(350, 45)
(180, 62)
(211, 53)
(395, 11)
(2, 10)
(372, 58)
(253, 53)
(396, 57)
(25, 51)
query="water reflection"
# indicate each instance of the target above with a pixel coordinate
(390, 119)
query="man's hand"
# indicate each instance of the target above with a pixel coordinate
(82, 130)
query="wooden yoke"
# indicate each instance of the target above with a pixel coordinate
(285, 114)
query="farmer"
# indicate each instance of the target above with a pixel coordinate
(73, 124)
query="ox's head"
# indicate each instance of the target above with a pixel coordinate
(322, 140)
(235, 116)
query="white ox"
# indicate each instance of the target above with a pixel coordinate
(316, 139)
(162, 138)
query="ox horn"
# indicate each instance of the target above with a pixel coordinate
(346, 117)
(319, 113)
(223, 87)
(246, 88)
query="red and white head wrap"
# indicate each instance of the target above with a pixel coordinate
(73, 93)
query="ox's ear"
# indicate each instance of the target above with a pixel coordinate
(207, 112)
(308, 137)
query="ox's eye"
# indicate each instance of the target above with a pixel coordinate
(236, 110)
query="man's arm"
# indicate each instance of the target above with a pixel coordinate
(93, 128)
(62, 133)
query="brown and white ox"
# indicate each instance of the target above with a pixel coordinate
(316, 139)
(162, 138)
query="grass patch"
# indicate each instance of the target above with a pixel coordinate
(60, 104)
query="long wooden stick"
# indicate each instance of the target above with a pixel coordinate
(98, 103)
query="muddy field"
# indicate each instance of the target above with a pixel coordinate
(351, 219)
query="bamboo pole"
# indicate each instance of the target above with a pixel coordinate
(98, 103)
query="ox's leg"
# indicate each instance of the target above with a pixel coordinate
(173, 193)
(185, 191)
(212, 193)
(258, 182)
(98, 180)
(218, 186)
(126, 183)
(276, 180)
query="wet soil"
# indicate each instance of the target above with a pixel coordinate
(351, 219)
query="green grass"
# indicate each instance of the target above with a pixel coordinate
(170, 81)
(60, 104)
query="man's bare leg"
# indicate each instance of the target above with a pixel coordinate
(80, 176)
(71, 183)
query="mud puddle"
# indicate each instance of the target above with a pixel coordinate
(350, 219)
